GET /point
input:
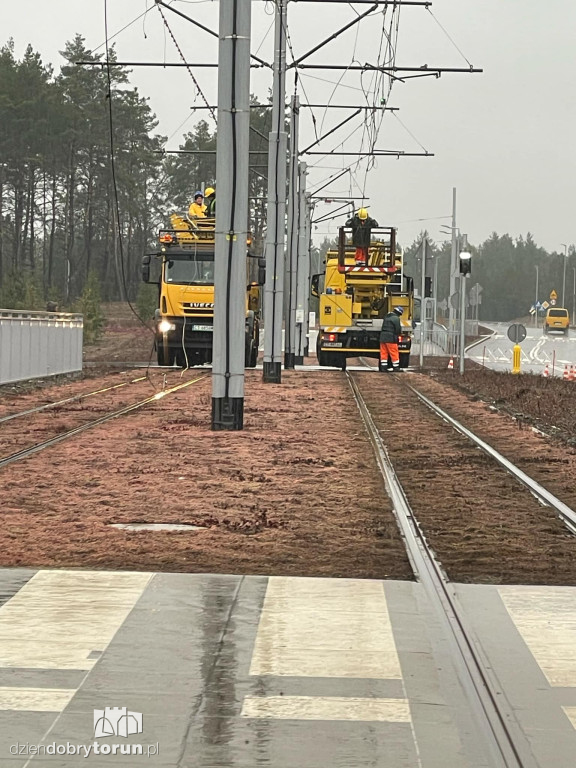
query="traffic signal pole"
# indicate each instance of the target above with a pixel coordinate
(422, 303)
(232, 158)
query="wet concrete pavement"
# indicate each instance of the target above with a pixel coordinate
(224, 671)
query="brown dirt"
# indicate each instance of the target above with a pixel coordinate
(296, 492)
(125, 339)
(545, 403)
(482, 524)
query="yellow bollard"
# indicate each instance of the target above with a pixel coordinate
(516, 358)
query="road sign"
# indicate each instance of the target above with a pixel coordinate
(516, 333)
(553, 295)
(537, 305)
(532, 310)
(545, 305)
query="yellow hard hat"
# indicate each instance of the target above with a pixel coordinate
(363, 214)
(209, 191)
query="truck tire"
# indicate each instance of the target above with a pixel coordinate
(404, 361)
(163, 354)
(322, 357)
(249, 359)
(254, 354)
(341, 363)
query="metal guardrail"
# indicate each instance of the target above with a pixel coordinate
(36, 344)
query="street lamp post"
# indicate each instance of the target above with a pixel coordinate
(564, 278)
(536, 300)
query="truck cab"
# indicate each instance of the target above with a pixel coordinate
(184, 319)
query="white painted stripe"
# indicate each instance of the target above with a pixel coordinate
(326, 708)
(546, 619)
(35, 699)
(60, 617)
(571, 714)
(325, 628)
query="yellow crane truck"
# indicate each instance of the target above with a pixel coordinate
(356, 298)
(184, 320)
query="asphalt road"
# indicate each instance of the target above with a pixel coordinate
(538, 350)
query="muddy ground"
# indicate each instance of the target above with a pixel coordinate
(296, 492)
(483, 525)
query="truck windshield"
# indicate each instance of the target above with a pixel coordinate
(189, 272)
(558, 312)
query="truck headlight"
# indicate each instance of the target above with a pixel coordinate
(164, 326)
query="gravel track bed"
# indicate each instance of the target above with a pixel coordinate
(297, 492)
(483, 525)
(25, 431)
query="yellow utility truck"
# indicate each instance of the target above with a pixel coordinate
(356, 298)
(184, 319)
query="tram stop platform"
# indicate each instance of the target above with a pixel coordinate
(197, 671)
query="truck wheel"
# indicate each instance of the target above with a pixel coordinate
(323, 357)
(249, 353)
(404, 361)
(342, 364)
(254, 354)
(165, 355)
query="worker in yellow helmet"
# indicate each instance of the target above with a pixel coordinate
(197, 208)
(210, 198)
(361, 225)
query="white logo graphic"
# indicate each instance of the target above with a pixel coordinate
(116, 721)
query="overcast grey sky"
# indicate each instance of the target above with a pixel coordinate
(504, 138)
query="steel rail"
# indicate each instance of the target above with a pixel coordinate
(25, 452)
(566, 514)
(66, 400)
(495, 722)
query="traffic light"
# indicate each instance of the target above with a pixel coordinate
(465, 262)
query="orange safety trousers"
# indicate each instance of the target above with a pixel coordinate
(389, 350)
(361, 255)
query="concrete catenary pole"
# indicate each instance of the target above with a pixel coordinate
(292, 244)
(423, 303)
(303, 274)
(276, 212)
(232, 158)
(309, 212)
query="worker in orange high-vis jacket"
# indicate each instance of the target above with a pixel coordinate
(391, 330)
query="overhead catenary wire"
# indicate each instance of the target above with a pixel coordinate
(188, 68)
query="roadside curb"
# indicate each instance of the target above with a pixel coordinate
(479, 341)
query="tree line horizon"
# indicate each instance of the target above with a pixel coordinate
(59, 231)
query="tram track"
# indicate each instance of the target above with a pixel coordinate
(494, 718)
(68, 400)
(30, 450)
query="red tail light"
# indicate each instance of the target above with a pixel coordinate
(166, 238)
(330, 337)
